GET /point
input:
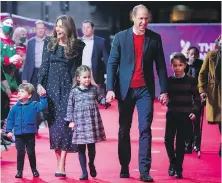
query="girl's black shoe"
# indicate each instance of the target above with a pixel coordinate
(92, 170)
(19, 174)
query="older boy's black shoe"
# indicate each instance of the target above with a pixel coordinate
(124, 173)
(178, 175)
(35, 173)
(146, 178)
(19, 174)
(92, 170)
(171, 170)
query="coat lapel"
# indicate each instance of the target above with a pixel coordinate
(146, 42)
(131, 44)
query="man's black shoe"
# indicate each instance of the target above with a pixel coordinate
(171, 170)
(178, 175)
(146, 178)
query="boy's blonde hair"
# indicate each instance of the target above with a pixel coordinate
(27, 87)
(79, 70)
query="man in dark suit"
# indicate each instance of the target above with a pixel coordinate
(33, 60)
(95, 53)
(130, 78)
(193, 68)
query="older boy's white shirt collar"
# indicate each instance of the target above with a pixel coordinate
(134, 31)
(179, 77)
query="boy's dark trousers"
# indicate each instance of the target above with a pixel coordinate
(179, 124)
(22, 142)
(82, 155)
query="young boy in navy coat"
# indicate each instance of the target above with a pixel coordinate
(22, 118)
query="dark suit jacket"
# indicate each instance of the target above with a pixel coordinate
(29, 66)
(99, 59)
(122, 61)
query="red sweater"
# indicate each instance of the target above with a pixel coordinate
(137, 80)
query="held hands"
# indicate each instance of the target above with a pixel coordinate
(71, 125)
(40, 90)
(9, 135)
(110, 96)
(192, 116)
(163, 98)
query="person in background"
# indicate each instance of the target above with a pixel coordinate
(183, 103)
(19, 37)
(5, 95)
(209, 83)
(22, 122)
(10, 63)
(193, 67)
(130, 78)
(95, 53)
(33, 62)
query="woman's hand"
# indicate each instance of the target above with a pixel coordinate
(72, 125)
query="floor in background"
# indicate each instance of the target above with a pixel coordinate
(207, 169)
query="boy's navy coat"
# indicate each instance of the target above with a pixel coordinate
(22, 117)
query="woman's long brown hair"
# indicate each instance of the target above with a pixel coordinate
(71, 33)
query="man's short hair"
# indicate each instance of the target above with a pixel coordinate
(88, 21)
(138, 7)
(27, 87)
(39, 22)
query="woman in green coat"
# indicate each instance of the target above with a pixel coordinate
(209, 82)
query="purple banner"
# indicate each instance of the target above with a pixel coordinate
(179, 37)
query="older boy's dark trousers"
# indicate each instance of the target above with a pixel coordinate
(140, 98)
(22, 142)
(177, 124)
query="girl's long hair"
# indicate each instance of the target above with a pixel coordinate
(71, 33)
(79, 70)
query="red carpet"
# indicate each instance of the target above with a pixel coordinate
(207, 169)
